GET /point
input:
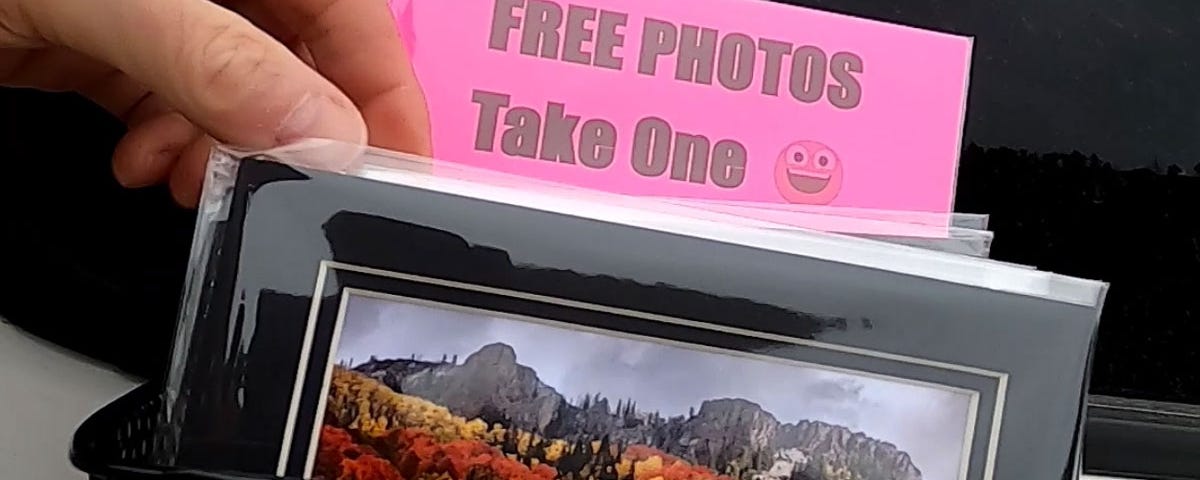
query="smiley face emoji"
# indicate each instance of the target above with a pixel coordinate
(808, 172)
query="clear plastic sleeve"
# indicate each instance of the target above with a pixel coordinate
(967, 237)
(965, 241)
(973, 221)
(391, 316)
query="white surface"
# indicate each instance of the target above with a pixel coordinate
(44, 393)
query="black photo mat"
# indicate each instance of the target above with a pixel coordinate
(984, 389)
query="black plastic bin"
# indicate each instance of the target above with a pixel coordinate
(114, 442)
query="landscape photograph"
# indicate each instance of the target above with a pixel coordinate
(425, 392)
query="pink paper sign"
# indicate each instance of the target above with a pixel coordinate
(720, 100)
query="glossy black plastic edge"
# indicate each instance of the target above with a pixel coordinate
(1142, 439)
(460, 218)
(211, 327)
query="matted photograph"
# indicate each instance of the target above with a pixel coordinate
(654, 354)
(422, 390)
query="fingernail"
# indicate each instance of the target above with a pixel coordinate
(318, 116)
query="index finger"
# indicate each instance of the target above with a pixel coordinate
(355, 44)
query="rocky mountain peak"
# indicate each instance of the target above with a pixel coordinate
(734, 407)
(492, 354)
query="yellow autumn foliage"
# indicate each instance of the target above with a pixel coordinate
(649, 469)
(358, 402)
(553, 448)
(361, 403)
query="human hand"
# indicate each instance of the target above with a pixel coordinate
(252, 73)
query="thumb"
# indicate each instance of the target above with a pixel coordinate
(216, 68)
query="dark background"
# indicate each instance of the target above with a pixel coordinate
(1114, 78)
(1082, 132)
(1083, 128)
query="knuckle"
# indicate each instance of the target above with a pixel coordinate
(231, 62)
(16, 27)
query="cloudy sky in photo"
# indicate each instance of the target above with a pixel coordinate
(928, 423)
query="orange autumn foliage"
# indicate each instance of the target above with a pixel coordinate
(643, 452)
(413, 454)
(418, 455)
(339, 458)
(654, 468)
(647, 463)
(378, 434)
